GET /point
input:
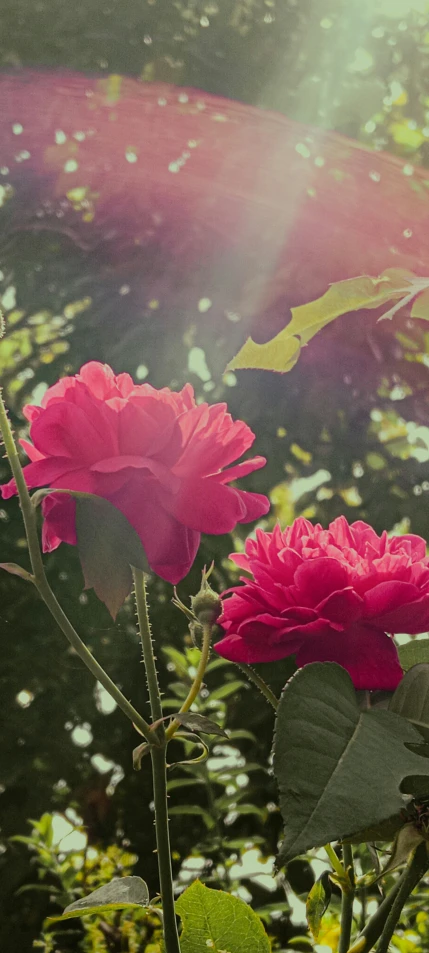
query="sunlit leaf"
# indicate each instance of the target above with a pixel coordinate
(420, 308)
(282, 352)
(414, 652)
(216, 921)
(317, 902)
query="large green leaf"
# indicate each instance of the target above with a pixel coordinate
(411, 699)
(339, 770)
(215, 921)
(355, 294)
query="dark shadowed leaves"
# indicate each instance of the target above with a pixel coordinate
(411, 699)
(108, 547)
(339, 770)
(196, 722)
(16, 570)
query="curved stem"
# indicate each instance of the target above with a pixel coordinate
(413, 874)
(198, 680)
(347, 897)
(259, 682)
(159, 768)
(40, 581)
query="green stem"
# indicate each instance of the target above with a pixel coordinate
(376, 924)
(347, 897)
(23, 494)
(147, 647)
(335, 861)
(159, 768)
(198, 680)
(412, 875)
(259, 682)
(44, 589)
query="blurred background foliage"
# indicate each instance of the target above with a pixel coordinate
(345, 432)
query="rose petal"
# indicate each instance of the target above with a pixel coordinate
(367, 654)
(345, 606)
(65, 430)
(318, 578)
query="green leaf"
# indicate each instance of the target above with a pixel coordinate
(178, 783)
(139, 753)
(230, 804)
(318, 902)
(339, 769)
(16, 570)
(108, 546)
(412, 653)
(229, 688)
(420, 308)
(196, 722)
(282, 352)
(119, 894)
(406, 841)
(196, 811)
(411, 699)
(44, 827)
(217, 922)
(385, 831)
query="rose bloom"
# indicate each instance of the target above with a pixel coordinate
(334, 595)
(155, 454)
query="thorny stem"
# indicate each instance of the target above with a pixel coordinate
(413, 874)
(42, 585)
(259, 682)
(377, 924)
(198, 680)
(347, 897)
(159, 769)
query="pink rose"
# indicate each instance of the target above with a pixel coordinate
(155, 454)
(334, 595)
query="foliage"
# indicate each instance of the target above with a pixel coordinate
(319, 724)
(218, 921)
(355, 294)
(344, 432)
(66, 873)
